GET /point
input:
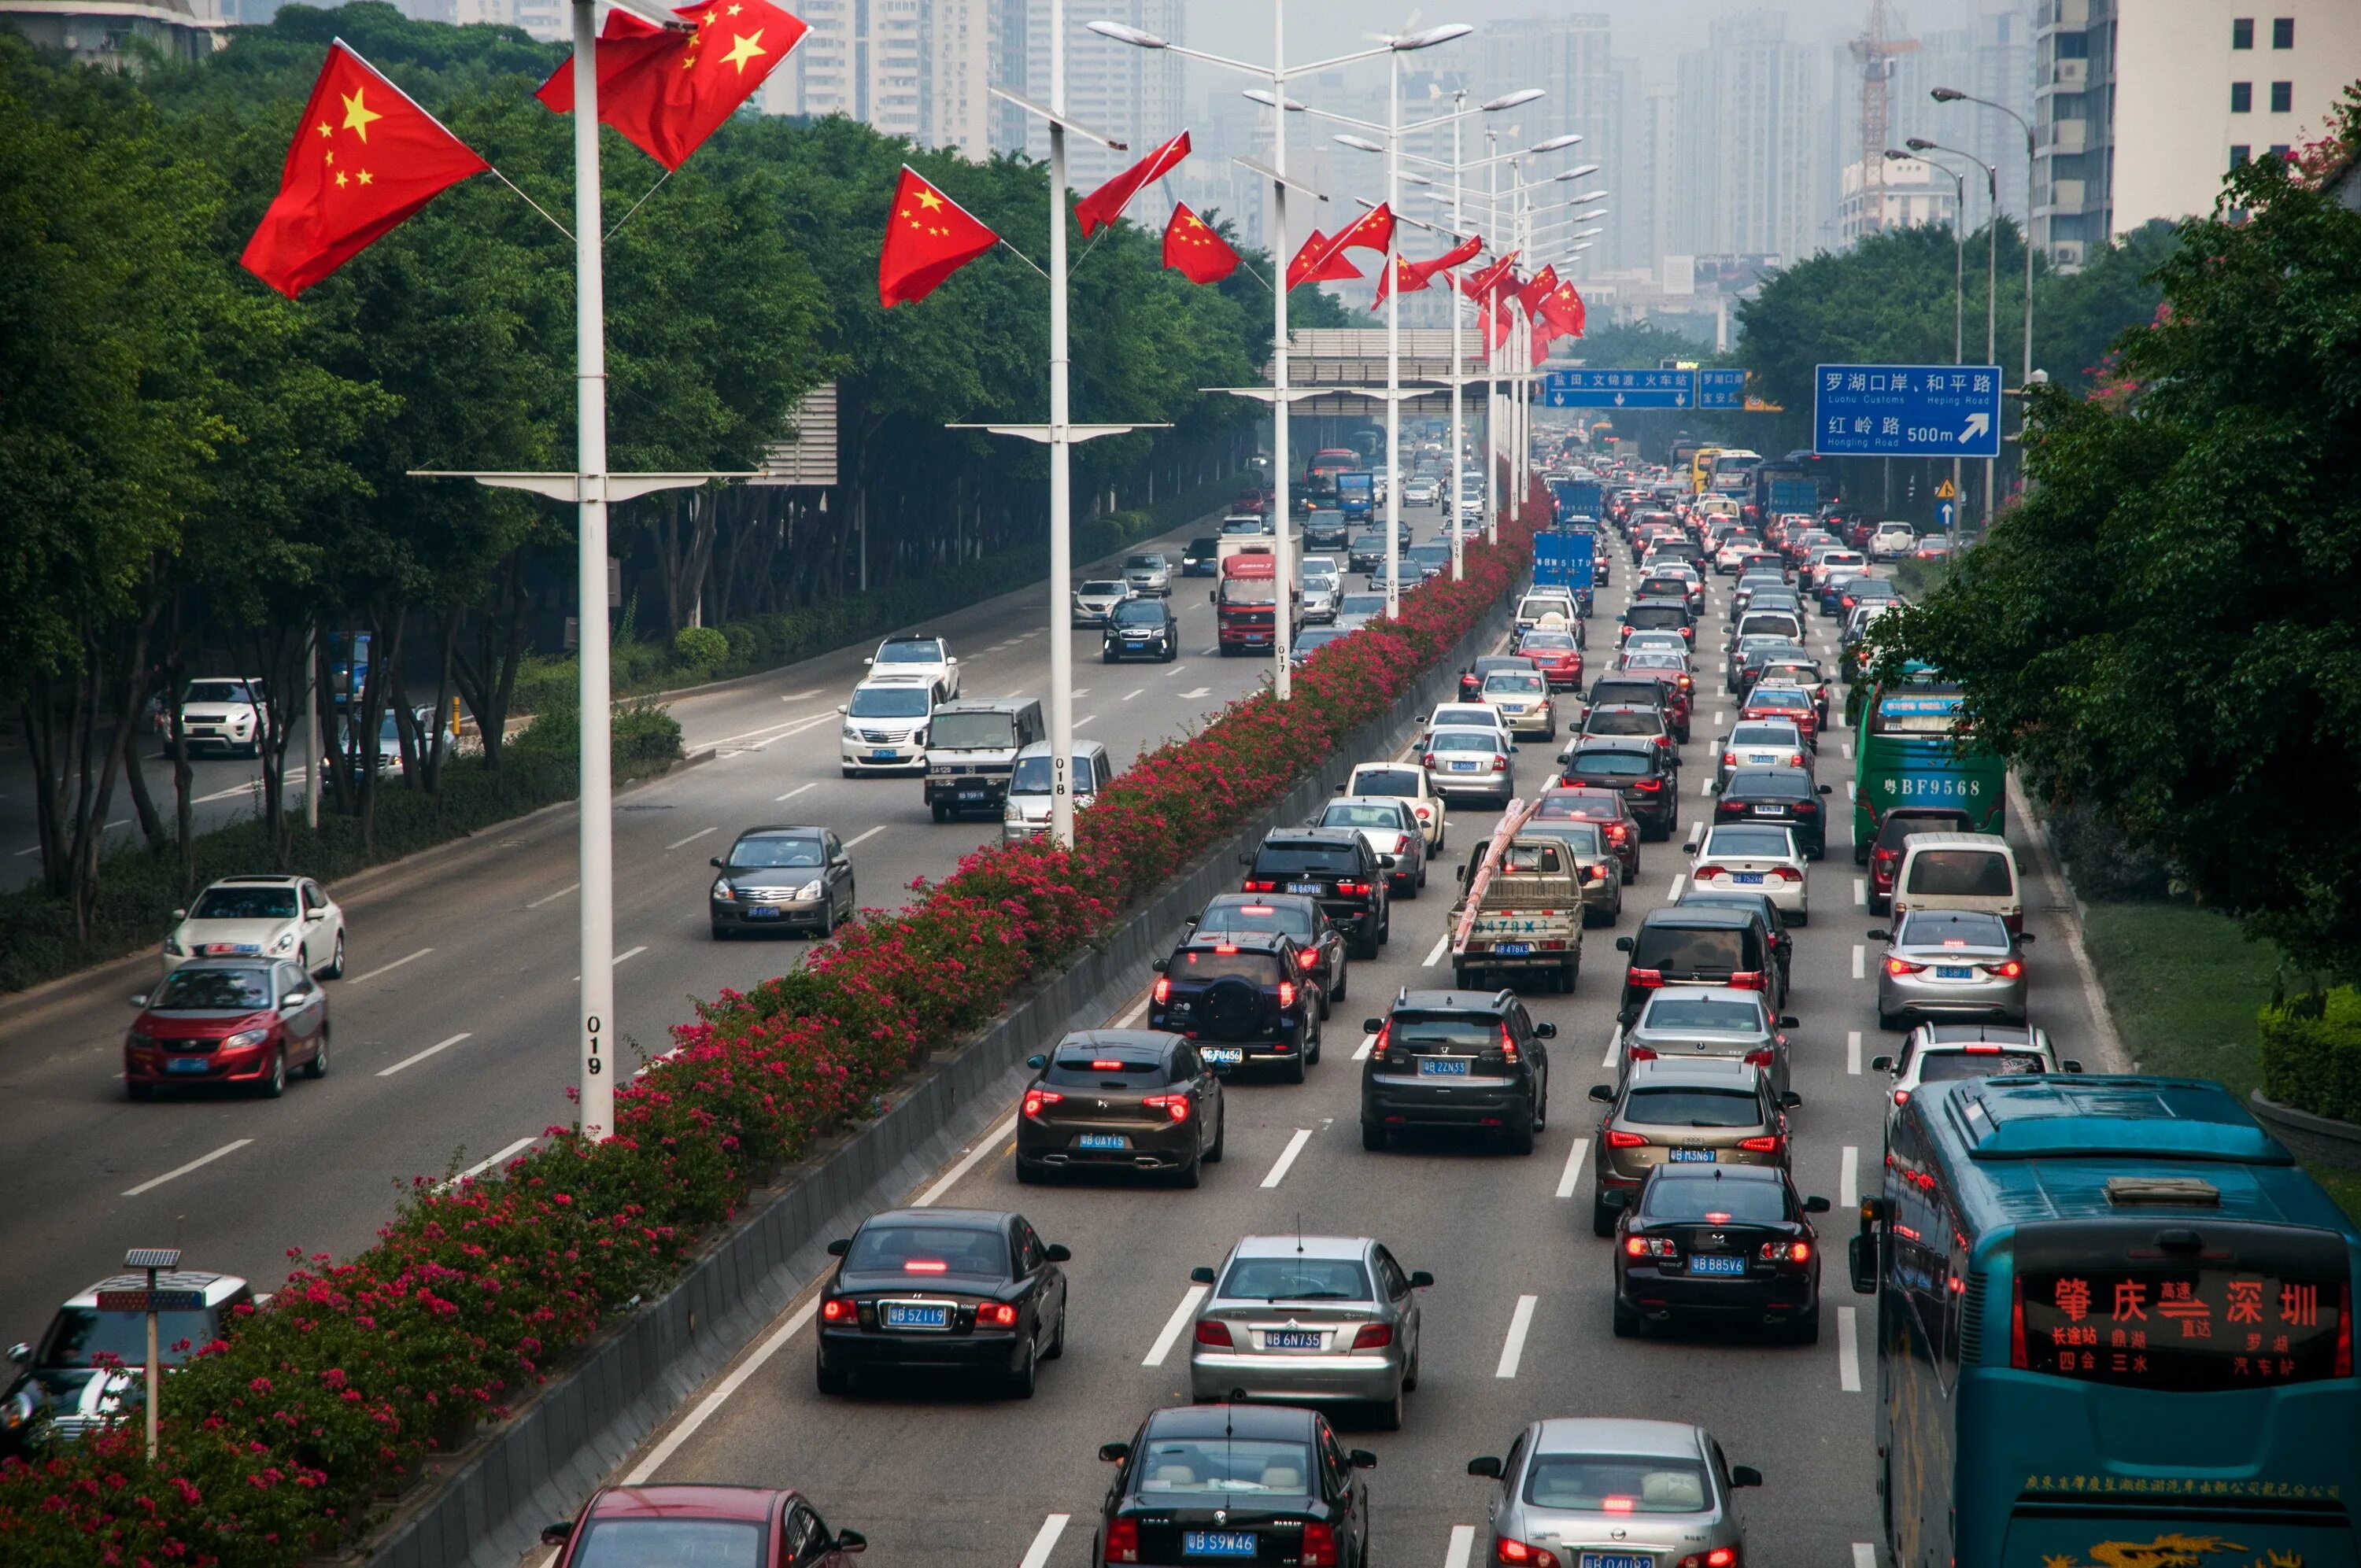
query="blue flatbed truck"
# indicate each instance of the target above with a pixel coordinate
(1567, 557)
(1356, 494)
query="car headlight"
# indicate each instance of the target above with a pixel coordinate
(244, 1038)
(172, 947)
(850, 733)
(723, 890)
(809, 890)
(137, 1041)
(19, 1412)
(285, 941)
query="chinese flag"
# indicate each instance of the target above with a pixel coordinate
(1404, 276)
(1373, 230)
(1459, 255)
(1479, 284)
(1531, 294)
(928, 238)
(1565, 311)
(1105, 204)
(366, 159)
(1321, 261)
(1193, 250)
(1499, 321)
(667, 89)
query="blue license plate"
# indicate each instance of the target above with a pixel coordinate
(1707, 1264)
(1691, 1156)
(1290, 1338)
(1750, 879)
(1953, 971)
(900, 1315)
(761, 913)
(1616, 1560)
(1463, 767)
(1311, 887)
(1103, 1141)
(1218, 1543)
(1513, 949)
(885, 756)
(1443, 1066)
(1223, 1056)
(186, 1064)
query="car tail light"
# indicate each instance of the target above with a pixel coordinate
(1786, 873)
(1881, 854)
(1353, 890)
(1767, 1144)
(2343, 1367)
(1647, 784)
(1374, 1337)
(1618, 1139)
(1648, 1246)
(1748, 979)
(1903, 966)
(1255, 885)
(1517, 1554)
(1319, 1550)
(1402, 843)
(1211, 1331)
(1795, 758)
(1645, 979)
(1639, 1053)
(2008, 970)
(2016, 1356)
(1729, 759)
(1163, 992)
(1176, 1106)
(1704, 872)
(995, 1314)
(838, 1310)
(1508, 1044)
(1037, 1098)
(1287, 993)
(1807, 809)
(1760, 1058)
(1123, 1540)
(1500, 764)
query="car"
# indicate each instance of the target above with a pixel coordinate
(1245, 998)
(1692, 1023)
(1149, 572)
(265, 917)
(1458, 1059)
(1422, 491)
(1785, 795)
(885, 725)
(1471, 679)
(1323, 529)
(1606, 807)
(1657, 615)
(1960, 871)
(1757, 905)
(1741, 857)
(1767, 700)
(1634, 721)
(1308, 1319)
(1295, 915)
(971, 749)
(937, 1290)
(1404, 781)
(1541, 607)
(89, 1362)
(915, 654)
(700, 1522)
(1782, 674)
(240, 1022)
(1646, 774)
(1522, 698)
(1597, 865)
(1867, 592)
(1354, 610)
(1309, 641)
(1692, 945)
(225, 715)
(1096, 599)
(782, 878)
(1556, 654)
(1734, 1243)
(1026, 814)
(1933, 547)
(1469, 761)
(1747, 661)
(1465, 715)
(1892, 542)
(1201, 557)
(1675, 673)
(1141, 629)
(1392, 830)
(1760, 743)
(1938, 1053)
(1335, 865)
(1316, 605)
(388, 751)
(1121, 1100)
(1950, 962)
(1709, 1109)
(1251, 1482)
(1883, 854)
(1431, 559)
(1647, 1491)
(1365, 551)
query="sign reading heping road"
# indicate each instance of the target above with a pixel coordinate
(1906, 411)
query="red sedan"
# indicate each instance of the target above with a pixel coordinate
(1784, 702)
(668, 1523)
(1555, 654)
(238, 1021)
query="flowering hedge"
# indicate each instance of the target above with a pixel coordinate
(285, 1440)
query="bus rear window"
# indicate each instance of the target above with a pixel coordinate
(2185, 1330)
(1915, 714)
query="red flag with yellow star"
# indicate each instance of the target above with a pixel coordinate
(1103, 205)
(667, 89)
(1321, 261)
(1565, 311)
(367, 158)
(928, 238)
(1193, 250)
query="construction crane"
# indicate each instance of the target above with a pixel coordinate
(1877, 50)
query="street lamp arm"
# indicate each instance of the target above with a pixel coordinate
(1334, 61)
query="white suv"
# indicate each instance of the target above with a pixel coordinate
(928, 656)
(885, 724)
(225, 715)
(1892, 542)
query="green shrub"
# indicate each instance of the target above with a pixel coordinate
(2312, 1053)
(698, 651)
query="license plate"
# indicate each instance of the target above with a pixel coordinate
(1103, 1141)
(186, 1064)
(1463, 767)
(1704, 1264)
(898, 1315)
(885, 756)
(1750, 879)
(759, 913)
(1691, 1156)
(1443, 1066)
(1312, 887)
(1223, 1056)
(1616, 1560)
(974, 795)
(1770, 811)
(1953, 971)
(1290, 1338)
(1218, 1543)
(1513, 949)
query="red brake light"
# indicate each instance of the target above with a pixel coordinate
(2016, 1356)
(1748, 979)
(1704, 872)
(1639, 1053)
(1213, 1331)
(1257, 886)
(1618, 1139)
(1729, 759)
(1508, 1044)
(1173, 1105)
(1319, 1548)
(1107, 1066)
(1517, 1554)
(1352, 889)
(1500, 764)
(1767, 1144)
(1645, 979)
(1122, 1540)
(1374, 1337)
(2008, 970)
(1037, 1098)
(995, 1314)
(1287, 993)
(1225, 947)
(2343, 1367)
(836, 1309)
(1902, 1097)
(1647, 784)
(1900, 966)
(924, 1266)
(1163, 992)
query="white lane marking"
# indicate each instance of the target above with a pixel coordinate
(154, 1182)
(1697, 830)
(1853, 790)
(1462, 1547)
(1848, 750)
(631, 953)
(1614, 1047)
(645, 1470)
(1705, 785)
(1134, 1017)
(482, 1165)
(435, 1050)
(966, 1162)
(1286, 1156)
(1859, 960)
(870, 834)
(1571, 1176)
(22, 853)
(383, 968)
(1208, 653)
(1674, 895)
(1081, 691)
(1849, 1180)
(799, 728)
(1128, 695)
(1861, 893)
(1848, 1349)
(693, 837)
(796, 791)
(1434, 954)
(1173, 1325)
(1720, 719)
(799, 696)
(1084, 719)
(772, 729)
(1853, 1052)
(1044, 1540)
(1200, 691)
(553, 897)
(1864, 1555)
(1368, 1044)
(1520, 1323)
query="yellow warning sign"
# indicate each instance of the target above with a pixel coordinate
(1946, 491)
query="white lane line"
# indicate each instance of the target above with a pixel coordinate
(1131, 1018)
(1674, 895)
(870, 834)
(1848, 1349)
(1848, 750)
(482, 1165)
(1571, 1176)
(1044, 1540)
(772, 730)
(1720, 719)
(1697, 830)
(1852, 789)
(1864, 1555)
(553, 897)
(1861, 893)
(1705, 785)
(1520, 1323)
(812, 723)
(1368, 1044)
(1200, 691)
(1084, 719)
(693, 837)
(383, 968)
(645, 1470)
(1081, 691)
(1128, 695)
(966, 1162)
(150, 1185)
(1614, 1048)
(1853, 1052)
(1462, 1547)
(1849, 1180)
(434, 1049)
(1859, 961)
(1286, 1156)
(1434, 954)
(799, 696)
(796, 791)
(1208, 652)
(631, 953)
(22, 853)
(1173, 1325)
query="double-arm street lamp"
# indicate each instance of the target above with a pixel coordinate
(1954, 95)
(1992, 305)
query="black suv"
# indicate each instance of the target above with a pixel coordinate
(1245, 997)
(1336, 866)
(1202, 558)
(1643, 772)
(1688, 945)
(1141, 629)
(1759, 904)
(1785, 795)
(1456, 1058)
(1659, 615)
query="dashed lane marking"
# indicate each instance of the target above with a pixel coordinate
(1571, 1176)
(179, 1171)
(1286, 1156)
(1512, 1350)
(1173, 1325)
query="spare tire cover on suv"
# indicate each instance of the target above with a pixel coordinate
(1232, 1009)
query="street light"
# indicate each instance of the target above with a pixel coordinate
(1959, 269)
(1954, 95)
(1991, 292)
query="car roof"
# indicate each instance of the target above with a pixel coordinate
(1253, 941)
(255, 881)
(956, 1218)
(218, 1288)
(1043, 748)
(1154, 1042)
(988, 705)
(784, 830)
(1293, 1246)
(2025, 1036)
(910, 637)
(1305, 838)
(1957, 841)
(1240, 1421)
(1600, 708)
(1618, 1435)
(686, 1500)
(1303, 901)
(1704, 994)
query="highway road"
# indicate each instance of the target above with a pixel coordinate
(1516, 1325)
(452, 1036)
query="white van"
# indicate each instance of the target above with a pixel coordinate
(1959, 870)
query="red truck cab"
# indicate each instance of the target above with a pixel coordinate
(1245, 607)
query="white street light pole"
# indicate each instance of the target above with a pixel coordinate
(1282, 683)
(1491, 386)
(1459, 369)
(1062, 479)
(1393, 336)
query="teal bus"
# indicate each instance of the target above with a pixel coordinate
(1905, 754)
(2113, 1330)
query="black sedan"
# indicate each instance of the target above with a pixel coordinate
(1785, 795)
(1250, 1483)
(1121, 1100)
(1317, 938)
(935, 1290)
(1731, 1242)
(782, 879)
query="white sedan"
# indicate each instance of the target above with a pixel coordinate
(1753, 858)
(290, 917)
(1404, 782)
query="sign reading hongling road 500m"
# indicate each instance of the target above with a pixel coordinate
(1905, 411)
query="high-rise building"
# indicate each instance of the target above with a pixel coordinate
(920, 69)
(1748, 104)
(1989, 57)
(1657, 190)
(1911, 192)
(1132, 94)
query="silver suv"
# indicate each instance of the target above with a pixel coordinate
(1616, 1490)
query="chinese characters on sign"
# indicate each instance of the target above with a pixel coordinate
(1905, 411)
(2207, 1330)
(1620, 389)
(1721, 388)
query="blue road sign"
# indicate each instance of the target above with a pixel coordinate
(1944, 512)
(1905, 411)
(1619, 390)
(1721, 388)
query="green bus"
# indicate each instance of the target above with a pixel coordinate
(1904, 754)
(2113, 1328)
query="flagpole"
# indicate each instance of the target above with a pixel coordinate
(597, 849)
(1458, 462)
(1491, 384)
(1061, 481)
(1282, 570)
(1394, 338)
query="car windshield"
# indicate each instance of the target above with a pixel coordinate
(1034, 775)
(1312, 642)
(1611, 721)
(1703, 1012)
(217, 691)
(1765, 735)
(973, 732)
(1139, 612)
(1716, 1203)
(1521, 683)
(671, 1543)
(1200, 549)
(1105, 588)
(1960, 873)
(1656, 616)
(929, 1249)
(1297, 1280)
(1105, 1067)
(911, 650)
(1306, 860)
(1465, 740)
(1547, 642)
(83, 1336)
(1601, 1484)
(1953, 928)
(1786, 697)
(1249, 590)
(1293, 919)
(890, 702)
(1576, 804)
(1749, 841)
(1355, 813)
(192, 989)
(1386, 780)
(1670, 1106)
(1609, 765)
(1645, 693)
(1689, 950)
(244, 903)
(1146, 563)
(1217, 1466)
(1646, 657)
(1361, 604)
(1768, 784)
(770, 850)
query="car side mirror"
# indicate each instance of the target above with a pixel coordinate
(557, 1534)
(1201, 1275)
(1340, 789)
(1824, 789)
(139, 999)
(1362, 1459)
(1420, 1279)
(1815, 1205)
(1860, 1261)
(1037, 1062)
(1113, 1453)
(840, 707)
(1487, 1467)
(1387, 862)
(950, 661)
(1688, 849)
(20, 1353)
(850, 1542)
(1546, 1031)
(1371, 1025)
(1622, 944)
(1789, 1021)
(1057, 1252)
(1602, 1092)
(1880, 1064)
(2071, 1065)
(1790, 1100)
(1878, 934)
(2024, 936)
(294, 999)
(1745, 1476)
(1162, 964)
(180, 915)
(1246, 860)
(840, 1246)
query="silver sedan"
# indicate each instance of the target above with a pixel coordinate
(1616, 1490)
(1393, 832)
(1308, 1317)
(1949, 963)
(1681, 1021)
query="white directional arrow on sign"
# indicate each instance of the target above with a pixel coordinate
(1979, 423)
